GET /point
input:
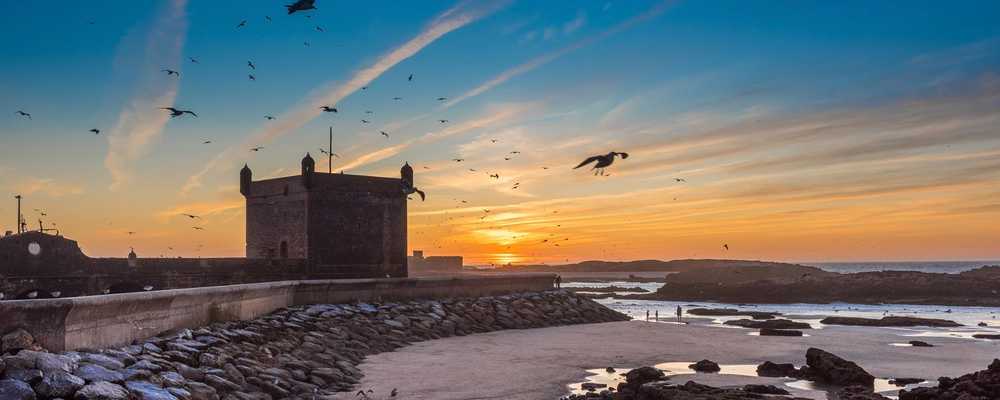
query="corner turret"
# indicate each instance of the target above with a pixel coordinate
(406, 174)
(246, 178)
(308, 169)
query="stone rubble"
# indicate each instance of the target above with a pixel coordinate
(305, 353)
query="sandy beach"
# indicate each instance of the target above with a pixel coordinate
(540, 363)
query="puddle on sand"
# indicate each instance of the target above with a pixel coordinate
(612, 379)
(882, 386)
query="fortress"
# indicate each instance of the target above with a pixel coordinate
(310, 226)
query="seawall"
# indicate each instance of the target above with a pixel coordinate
(301, 352)
(118, 319)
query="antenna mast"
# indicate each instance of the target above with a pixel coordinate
(18, 197)
(330, 151)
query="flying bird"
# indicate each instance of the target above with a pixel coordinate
(364, 88)
(603, 161)
(369, 112)
(257, 148)
(384, 134)
(442, 98)
(493, 140)
(193, 60)
(319, 29)
(206, 142)
(321, 150)
(267, 18)
(443, 121)
(680, 180)
(171, 72)
(23, 114)
(301, 5)
(397, 98)
(174, 113)
(95, 131)
(252, 78)
(242, 24)
(197, 228)
(305, 44)
(410, 79)
(269, 118)
(192, 216)
(251, 65)
(726, 246)
(457, 159)
(495, 176)
(328, 109)
(365, 121)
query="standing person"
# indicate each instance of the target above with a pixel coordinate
(558, 281)
(679, 311)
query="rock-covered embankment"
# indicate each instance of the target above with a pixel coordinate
(308, 352)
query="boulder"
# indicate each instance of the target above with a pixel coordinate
(15, 340)
(986, 336)
(904, 381)
(58, 384)
(705, 366)
(638, 377)
(977, 385)
(769, 324)
(774, 370)
(859, 393)
(97, 373)
(779, 332)
(828, 368)
(764, 389)
(16, 390)
(890, 321)
(142, 390)
(101, 391)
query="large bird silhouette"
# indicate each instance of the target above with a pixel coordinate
(301, 5)
(174, 113)
(603, 161)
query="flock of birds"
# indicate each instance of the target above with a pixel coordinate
(599, 163)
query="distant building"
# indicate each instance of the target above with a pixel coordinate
(339, 223)
(437, 264)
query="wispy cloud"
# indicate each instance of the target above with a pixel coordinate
(140, 121)
(47, 186)
(493, 118)
(458, 16)
(656, 10)
(576, 23)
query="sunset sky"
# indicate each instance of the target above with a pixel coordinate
(802, 131)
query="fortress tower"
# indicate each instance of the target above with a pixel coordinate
(348, 226)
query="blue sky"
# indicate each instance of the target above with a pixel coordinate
(569, 79)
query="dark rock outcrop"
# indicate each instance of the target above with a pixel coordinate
(16, 390)
(769, 324)
(859, 393)
(15, 340)
(826, 367)
(981, 385)
(779, 332)
(890, 322)
(635, 378)
(919, 343)
(764, 389)
(904, 381)
(774, 370)
(986, 336)
(731, 312)
(705, 366)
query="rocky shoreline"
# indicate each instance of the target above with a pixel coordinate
(798, 284)
(307, 353)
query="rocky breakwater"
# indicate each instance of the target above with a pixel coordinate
(308, 352)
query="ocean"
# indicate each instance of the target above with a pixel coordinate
(946, 267)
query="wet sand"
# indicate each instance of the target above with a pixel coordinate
(540, 363)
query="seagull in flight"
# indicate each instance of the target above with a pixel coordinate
(193, 60)
(495, 176)
(457, 159)
(682, 180)
(250, 64)
(269, 118)
(384, 134)
(410, 79)
(242, 24)
(319, 29)
(369, 112)
(301, 5)
(257, 148)
(174, 113)
(197, 228)
(603, 161)
(726, 246)
(442, 98)
(328, 109)
(267, 18)
(321, 150)
(397, 98)
(252, 78)
(192, 216)
(171, 72)
(206, 142)
(23, 114)
(365, 121)
(443, 121)
(95, 131)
